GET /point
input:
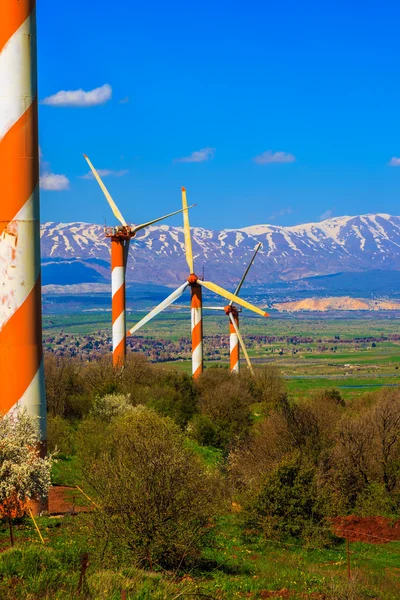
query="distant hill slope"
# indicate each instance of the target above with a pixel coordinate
(74, 253)
(337, 303)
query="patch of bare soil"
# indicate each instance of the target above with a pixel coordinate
(64, 499)
(375, 530)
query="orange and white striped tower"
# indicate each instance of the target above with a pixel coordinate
(196, 309)
(21, 359)
(234, 342)
(118, 268)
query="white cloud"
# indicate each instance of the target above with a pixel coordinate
(327, 214)
(269, 157)
(50, 181)
(53, 182)
(105, 173)
(394, 162)
(198, 156)
(100, 95)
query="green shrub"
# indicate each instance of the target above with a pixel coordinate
(203, 430)
(175, 397)
(375, 500)
(60, 435)
(157, 498)
(226, 401)
(288, 505)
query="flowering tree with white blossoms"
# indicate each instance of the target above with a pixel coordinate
(24, 474)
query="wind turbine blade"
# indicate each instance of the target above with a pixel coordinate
(213, 308)
(164, 304)
(186, 229)
(241, 343)
(139, 227)
(114, 207)
(213, 287)
(246, 271)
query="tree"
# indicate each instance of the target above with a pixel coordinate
(110, 406)
(156, 499)
(24, 474)
(224, 403)
(288, 504)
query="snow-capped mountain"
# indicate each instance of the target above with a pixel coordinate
(79, 252)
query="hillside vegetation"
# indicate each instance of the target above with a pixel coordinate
(224, 487)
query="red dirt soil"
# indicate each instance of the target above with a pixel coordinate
(375, 530)
(64, 499)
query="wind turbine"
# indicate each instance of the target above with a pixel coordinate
(196, 286)
(232, 312)
(120, 236)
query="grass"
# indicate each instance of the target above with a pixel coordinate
(66, 471)
(237, 567)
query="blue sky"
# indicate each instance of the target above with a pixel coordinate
(284, 112)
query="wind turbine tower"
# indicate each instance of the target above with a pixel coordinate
(21, 357)
(21, 368)
(120, 237)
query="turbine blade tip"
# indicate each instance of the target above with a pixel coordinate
(85, 156)
(183, 189)
(266, 314)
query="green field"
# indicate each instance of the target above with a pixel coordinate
(311, 352)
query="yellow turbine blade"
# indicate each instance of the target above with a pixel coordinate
(225, 294)
(241, 343)
(186, 229)
(114, 207)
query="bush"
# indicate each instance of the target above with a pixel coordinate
(225, 400)
(63, 383)
(267, 386)
(110, 406)
(375, 500)
(203, 430)
(175, 397)
(366, 456)
(156, 497)
(60, 435)
(288, 504)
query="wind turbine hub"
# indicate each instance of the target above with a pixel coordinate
(192, 279)
(230, 309)
(121, 231)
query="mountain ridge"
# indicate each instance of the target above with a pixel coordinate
(78, 252)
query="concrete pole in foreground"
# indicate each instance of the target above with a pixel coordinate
(21, 357)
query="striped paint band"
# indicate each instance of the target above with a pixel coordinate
(234, 347)
(21, 360)
(197, 330)
(118, 300)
